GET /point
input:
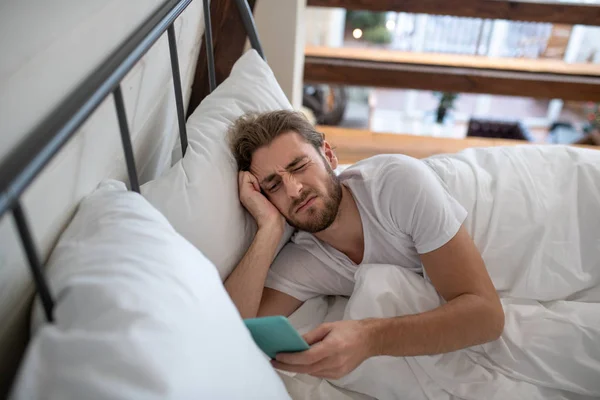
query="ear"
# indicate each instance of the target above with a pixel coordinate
(329, 155)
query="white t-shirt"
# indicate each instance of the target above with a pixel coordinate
(405, 211)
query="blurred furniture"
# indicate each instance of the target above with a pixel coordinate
(487, 128)
(564, 133)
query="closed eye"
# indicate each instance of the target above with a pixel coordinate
(274, 187)
(300, 167)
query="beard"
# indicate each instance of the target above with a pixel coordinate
(318, 219)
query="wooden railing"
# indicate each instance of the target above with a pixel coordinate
(456, 73)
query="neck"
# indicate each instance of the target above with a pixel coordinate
(346, 232)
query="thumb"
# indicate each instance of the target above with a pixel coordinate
(318, 334)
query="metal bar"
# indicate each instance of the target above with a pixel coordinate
(36, 150)
(248, 20)
(34, 261)
(126, 139)
(210, 54)
(177, 87)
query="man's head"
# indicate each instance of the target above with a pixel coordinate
(293, 164)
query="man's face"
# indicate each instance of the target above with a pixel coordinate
(299, 180)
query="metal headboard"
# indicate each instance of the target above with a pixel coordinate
(38, 148)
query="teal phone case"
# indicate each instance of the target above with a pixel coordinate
(275, 335)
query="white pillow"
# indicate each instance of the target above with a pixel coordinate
(141, 314)
(199, 195)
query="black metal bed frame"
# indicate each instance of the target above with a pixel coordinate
(38, 148)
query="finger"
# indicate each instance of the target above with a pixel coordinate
(300, 369)
(327, 374)
(249, 178)
(318, 334)
(311, 356)
(244, 178)
(249, 181)
(255, 183)
(324, 368)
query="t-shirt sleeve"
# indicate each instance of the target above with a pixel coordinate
(297, 273)
(418, 204)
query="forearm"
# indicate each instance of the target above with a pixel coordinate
(465, 321)
(246, 283)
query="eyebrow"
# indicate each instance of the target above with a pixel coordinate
(290, 166)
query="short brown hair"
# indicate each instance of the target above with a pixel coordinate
(255, 130)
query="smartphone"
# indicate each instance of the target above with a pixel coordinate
(275, 335)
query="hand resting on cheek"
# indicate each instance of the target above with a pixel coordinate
(251, 197)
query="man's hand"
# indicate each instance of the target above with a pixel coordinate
(246, 283)
(337, 348)
(263, 211)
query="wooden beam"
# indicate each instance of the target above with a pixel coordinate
(453, 73)
(352, 145)
(453, 60)
(229, 39)
(538, 11)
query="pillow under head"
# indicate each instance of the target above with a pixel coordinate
(199, 194)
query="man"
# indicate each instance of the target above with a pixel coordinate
(383, 210)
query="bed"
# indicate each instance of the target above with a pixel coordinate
(130, 302)
(95, 201)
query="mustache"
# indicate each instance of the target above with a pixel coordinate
(300, 200)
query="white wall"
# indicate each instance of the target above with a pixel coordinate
(324, 26)
(280, 26)
(590, 45)
(46, 49)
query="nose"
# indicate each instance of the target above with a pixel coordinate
(293, 188)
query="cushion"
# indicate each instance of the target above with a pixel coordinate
(141, 314)
(199, 194)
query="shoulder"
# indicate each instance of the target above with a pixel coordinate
(385, 172)
(405, 167)
(384, 164)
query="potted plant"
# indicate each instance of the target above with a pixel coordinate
(446, 102)
(592, 127)
(593, 118)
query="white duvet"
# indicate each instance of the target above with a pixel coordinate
(534, 214)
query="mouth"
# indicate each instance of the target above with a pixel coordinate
(306, 204)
